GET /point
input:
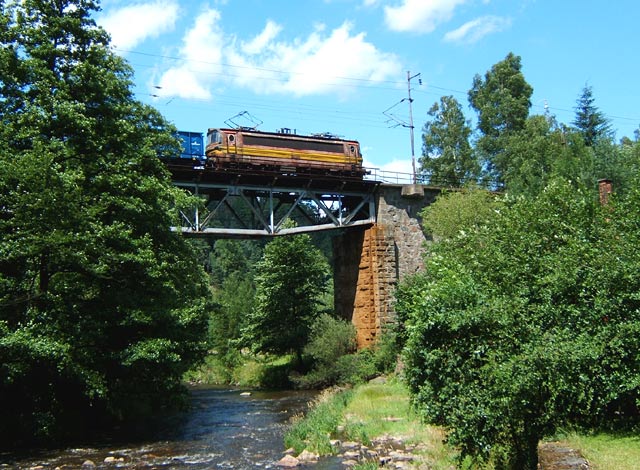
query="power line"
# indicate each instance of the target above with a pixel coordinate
(359, 83)
(255, 68)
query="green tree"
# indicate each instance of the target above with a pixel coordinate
(290, 282)
(589, 120)
(543, 150)
(529, 324)
(502, 101)
(233, 285)
(101, 306)
(448, 158)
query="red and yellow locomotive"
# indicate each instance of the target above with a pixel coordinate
(283, 151)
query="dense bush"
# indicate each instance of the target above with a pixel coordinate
(527, 323)
(334, 360)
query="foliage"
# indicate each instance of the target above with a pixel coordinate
(234, 257)
(528, 325)
(502, 101)
(290, 280)
(314, 430)
(334, 359)
(330, 338)
(258, 372)
(233, 286)
(101, 306)
(533, 154)
(234, 301)
(456, 212)
(629, 165)
(590, 122)
(448, 158)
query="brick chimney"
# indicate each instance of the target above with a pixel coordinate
(605, 188)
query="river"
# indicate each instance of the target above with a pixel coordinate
(223, 429)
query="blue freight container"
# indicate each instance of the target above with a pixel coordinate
(192, 145)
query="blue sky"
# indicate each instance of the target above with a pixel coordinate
(336, 65)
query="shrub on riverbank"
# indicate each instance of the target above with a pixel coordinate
(528, 323)
(331, 353)
(266, 372)
(330, 358)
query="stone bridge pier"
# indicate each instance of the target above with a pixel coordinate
(370, 262)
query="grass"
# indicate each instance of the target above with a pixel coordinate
(314, 431)
(384, 410)
(607, 451)
(367, 412)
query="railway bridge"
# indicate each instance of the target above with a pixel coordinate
(374, 223)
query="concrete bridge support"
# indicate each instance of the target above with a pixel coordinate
(369, 263)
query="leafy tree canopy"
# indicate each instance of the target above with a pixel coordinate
(502, 100)
(448, 158)
(457, 212)
(529, 324)
(290, 281)
(101, 307)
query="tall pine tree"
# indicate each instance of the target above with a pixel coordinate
(589, 119)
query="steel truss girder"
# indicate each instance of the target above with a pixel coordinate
(245, 211)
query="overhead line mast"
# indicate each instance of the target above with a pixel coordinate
(413, 156)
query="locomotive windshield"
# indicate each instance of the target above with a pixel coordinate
(214, 137)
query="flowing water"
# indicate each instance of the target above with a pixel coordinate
(223, 429)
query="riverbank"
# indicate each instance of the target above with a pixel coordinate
(368, 426)
(373, 425)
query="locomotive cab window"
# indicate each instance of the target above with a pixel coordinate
(214, 137)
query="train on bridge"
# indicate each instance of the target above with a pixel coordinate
(284, 152)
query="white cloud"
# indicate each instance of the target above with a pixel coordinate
(475, 30)
(395, 171)
(314, 64)
(202, 50)
(262, 40)
(420, 16)
(131, 25)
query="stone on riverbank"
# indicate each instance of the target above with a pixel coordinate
(288, 461)
(308, 457)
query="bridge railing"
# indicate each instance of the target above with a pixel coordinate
(395, 177)
(392, 177)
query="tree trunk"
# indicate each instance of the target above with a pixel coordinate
(526, 454)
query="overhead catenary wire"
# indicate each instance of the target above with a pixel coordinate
(341, 81)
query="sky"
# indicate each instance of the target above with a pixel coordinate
(347, 67)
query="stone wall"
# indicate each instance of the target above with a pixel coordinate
(369, 263)
(399, 215)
